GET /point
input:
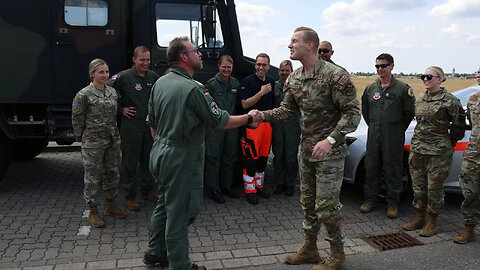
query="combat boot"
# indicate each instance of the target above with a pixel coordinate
(95, 220)
(466, 236)
(308, 252)
(132, 204)
(334, 261)
(430, 227)
(112, 210)
(150, 196)
(417, 222)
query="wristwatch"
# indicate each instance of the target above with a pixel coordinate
(331, 140)
(250, 119)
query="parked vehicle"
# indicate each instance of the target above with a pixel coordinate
(46, 47)
(357, 142)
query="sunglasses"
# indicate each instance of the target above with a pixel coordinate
(190, 51)
(427, 76)
(324, 50)
(382, 66)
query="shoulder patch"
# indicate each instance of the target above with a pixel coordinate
(214, 108)
(343, 80)
(410, 92)
(114, 77)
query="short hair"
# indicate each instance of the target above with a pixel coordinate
(309, 35)
(286, 63)
(225, 57)
(385, 56)
(328, 43)
(263, 55)
(175, 48)
(95, 64)
(139, 49)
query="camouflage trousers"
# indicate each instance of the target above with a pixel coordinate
(470, 183)
(320, 184)
(428, 174)
(101, 171)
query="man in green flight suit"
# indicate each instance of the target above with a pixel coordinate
(134, 86)
(388, 106)
(178, 112)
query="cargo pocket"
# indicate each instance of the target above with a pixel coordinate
(195, 203)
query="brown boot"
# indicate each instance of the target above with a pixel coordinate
(112, 210)
(308, 252)
(95, 220)
(466, 236)
(366, 207)
(150, 196)
(430, 227)
(417, 222)
(132, 204)
(334, 261)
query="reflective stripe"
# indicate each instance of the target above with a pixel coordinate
(259, 176)
(248, 183)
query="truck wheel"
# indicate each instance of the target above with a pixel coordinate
(5, 159)
(26, 149)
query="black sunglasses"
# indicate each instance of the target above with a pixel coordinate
(190, 51)
(428, 76)
(324, 50)
(382, 66)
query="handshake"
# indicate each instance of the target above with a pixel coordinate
(256, 118)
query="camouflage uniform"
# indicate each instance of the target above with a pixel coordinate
(470, 177)
(387, 112)
(432, 146)
(285, 140)
(178, 110)
(134, 91)
(327, 101)
(94, 121)
(221, 146)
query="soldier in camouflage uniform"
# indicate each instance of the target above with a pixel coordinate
(134, 86)
(327, 100)
(285, 139)
(470, 177)
(94, 121)
(325, 52)
(440, 124)
(221, 146)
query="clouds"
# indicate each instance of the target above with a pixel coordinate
(251, 17)
(457, 8)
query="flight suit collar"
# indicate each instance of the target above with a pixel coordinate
(392, 83)
(180, 71)
(219, 78)
(437, 96)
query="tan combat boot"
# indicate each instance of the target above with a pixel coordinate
(132, 204)
(467, 235)
(308, 252)
(112, 210)
(417, 222)
(334, 261)
(430, 227)
(150, 196)
(95, 220)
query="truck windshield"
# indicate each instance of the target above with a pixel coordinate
(198, 22)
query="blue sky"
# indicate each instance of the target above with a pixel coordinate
(418, 33)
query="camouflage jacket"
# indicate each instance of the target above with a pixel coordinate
(440, 123)
(472, 153)
(328, 106)
(94, 117)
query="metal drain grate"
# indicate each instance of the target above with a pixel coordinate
(392, 241)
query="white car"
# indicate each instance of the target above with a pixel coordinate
(357, 142)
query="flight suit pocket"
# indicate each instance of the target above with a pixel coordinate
(195, 203)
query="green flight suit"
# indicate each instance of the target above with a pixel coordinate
(285, 140)
(137, 141)
(221, 146)
(387, 112)
(178, 110)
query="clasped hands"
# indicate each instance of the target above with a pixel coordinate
(258, 117)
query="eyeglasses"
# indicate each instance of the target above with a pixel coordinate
(190, 51)
(427, 76)
(382, 66)
(324, 50)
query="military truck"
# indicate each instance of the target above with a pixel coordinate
(47, 45)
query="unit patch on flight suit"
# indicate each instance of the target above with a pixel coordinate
(138, 87)
(410, 92)
(377, 96)
(214, 108)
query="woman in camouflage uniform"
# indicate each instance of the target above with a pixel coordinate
(440, 124)
(94, 121)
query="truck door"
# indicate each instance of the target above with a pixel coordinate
(85, 30)
(194, 19)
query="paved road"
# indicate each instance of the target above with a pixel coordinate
(43, 226)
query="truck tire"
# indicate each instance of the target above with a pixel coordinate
(25, 149)
(5, 159)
